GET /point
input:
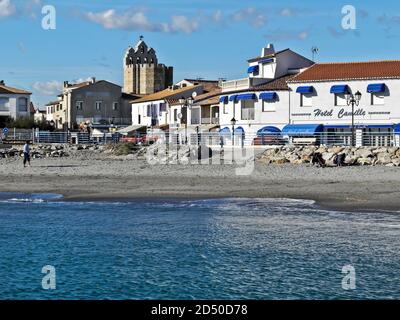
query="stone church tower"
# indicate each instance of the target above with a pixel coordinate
(142, 72)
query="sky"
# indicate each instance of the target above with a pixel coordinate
(200, 38)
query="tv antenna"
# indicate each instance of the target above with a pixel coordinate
(314, 51)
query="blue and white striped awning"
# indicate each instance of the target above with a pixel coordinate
(305, 89)
(302, 129)
(344, 88)
(268, 96)
(246, 96)
(253, 69)
(377, 87)
(224, 99)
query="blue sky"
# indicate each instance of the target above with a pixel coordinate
(200, 38)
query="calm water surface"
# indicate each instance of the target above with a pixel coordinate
(203, 249)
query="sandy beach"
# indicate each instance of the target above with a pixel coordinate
(100, 177)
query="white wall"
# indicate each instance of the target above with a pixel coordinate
(277, 116)
(389, 113)
(13, 111)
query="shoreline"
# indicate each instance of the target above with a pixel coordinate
(94, 176)
(101, 178)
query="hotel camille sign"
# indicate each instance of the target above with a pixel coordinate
(342, 113)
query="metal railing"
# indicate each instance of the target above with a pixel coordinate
(369, 139)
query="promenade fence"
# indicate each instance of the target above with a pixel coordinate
(345, 138)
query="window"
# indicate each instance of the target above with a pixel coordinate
(175, 115)
(148, 113)
(139, 119)
(98, 105)
(377, 99)
(115, 106)
(79, 105)
(23, 104)
(248, 110)
(268, 106)
(340, 100)
(163, 107)
(306, 100)
(4, 106)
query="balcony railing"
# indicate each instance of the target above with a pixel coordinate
(236, 84)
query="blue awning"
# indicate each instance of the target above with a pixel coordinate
(246, 96)
(397, 129)
(266, 61)
(239, 130)
(268, 130)
(302, 129)
(377, 87)
(233, 98)
(225, 130)
(253, 69)
(224, 99)
(340, 89)
(268, 96)
(309, 89)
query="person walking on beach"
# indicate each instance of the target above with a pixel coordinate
(27, 154)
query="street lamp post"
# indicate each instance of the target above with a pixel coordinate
(353, 100)
(233, 122)
(187, 103)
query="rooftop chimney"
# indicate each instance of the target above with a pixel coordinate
(93, 80)
(268, 50)
(2, 83)
(66, 84)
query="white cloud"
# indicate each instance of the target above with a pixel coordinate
(49, 88)
(286, 35)
(137, 20)
(183, 24)
(7, 8)
(250, 15)
(287, 12)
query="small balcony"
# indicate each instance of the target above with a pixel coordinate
(235, 84)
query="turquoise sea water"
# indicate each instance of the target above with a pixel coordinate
(203, 249)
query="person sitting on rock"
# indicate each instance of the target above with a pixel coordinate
(318, 160)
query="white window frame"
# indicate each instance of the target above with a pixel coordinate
(19, 104)
(270, 104)
(244, 106)
(377, 99)
(308, 102)
(340, 97)
(115, 106)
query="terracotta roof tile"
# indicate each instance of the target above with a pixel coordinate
(164, 94)
(350, 71)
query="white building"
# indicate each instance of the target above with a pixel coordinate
(14, 103)
(260, 102)
(163, 108)
(318, 101)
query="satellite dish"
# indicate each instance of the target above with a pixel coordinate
(194, 95)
